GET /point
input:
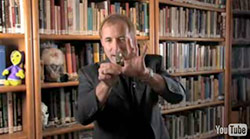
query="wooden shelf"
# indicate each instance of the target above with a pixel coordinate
(163, 38)
(11, 36)
(241, 12)
(16, 135)
(240, 71)
(197, 73)
(191, 107)
(19, 88)
(68, 129)
(240, 104)
(209, 135)
(79, 37)
(245, 41)
(147, 1)
(188, 5)
(63, 84)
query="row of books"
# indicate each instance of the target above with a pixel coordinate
(11, 16)
(10, 112)
(187, 22)
(195, 123)
(77, 54)
(241, 4)
(183, 57)
(86, 134)
(241, 27)
(198, 90)
(240, 58)
(83, 17)
(61, 106)
(240, 89)
(209, 3)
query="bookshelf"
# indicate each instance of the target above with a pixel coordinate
(34, 38)
(5, 36)
(163, 38)
(21, 41)
(39, 86)
(68, 129)
(177, 74)
(192, 107)
(191, 5)
(161, 10)
(240, 97)
(19, 88)
(80, 37)
(63, 84)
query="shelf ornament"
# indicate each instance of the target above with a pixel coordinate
(15, 73)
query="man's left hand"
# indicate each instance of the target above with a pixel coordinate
(134, 65)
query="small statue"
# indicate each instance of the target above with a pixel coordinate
(45, 115)
(119, 58)
(14, 72)
(53, 60)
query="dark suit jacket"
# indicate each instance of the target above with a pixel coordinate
(131, 110)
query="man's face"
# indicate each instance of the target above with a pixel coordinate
(114, 39)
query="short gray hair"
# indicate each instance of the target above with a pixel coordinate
(115, 18)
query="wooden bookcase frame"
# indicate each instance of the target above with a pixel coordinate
(153, 39)
(226, 41)
(23, 43)
(37, 37)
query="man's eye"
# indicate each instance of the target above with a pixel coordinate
(108, 40)
(122, 39)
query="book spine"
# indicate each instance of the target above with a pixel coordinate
(3, 63)
(19, 112)
(3, 16)
(19, 17)
(10, 112)
(5, 113)
(48, 17)
(69, 58)
(62, 105)
(14, 112)
(1, 115)
(1, 23)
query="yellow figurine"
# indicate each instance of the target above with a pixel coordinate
(14, 72)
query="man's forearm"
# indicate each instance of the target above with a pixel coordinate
(102, 92)
(157, 83)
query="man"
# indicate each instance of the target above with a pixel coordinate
(122, 100)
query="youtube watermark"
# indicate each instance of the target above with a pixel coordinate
(236, 129)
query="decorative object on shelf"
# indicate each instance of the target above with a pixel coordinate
(53, 60)
(15, 73)
(45, 114)
(119, 58)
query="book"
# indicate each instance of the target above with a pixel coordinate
(3, 63)
(10, 112)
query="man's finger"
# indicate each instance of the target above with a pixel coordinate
(112, 71)
(129, 49)
(110, 68)
(102, 77)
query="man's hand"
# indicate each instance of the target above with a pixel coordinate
(5, 72)
(109, 72)
(134, 65)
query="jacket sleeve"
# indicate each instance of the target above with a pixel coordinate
(87, 103)
(174, 91)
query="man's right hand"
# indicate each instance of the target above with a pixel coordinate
(109, 72)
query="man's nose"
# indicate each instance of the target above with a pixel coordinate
(117, 46)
